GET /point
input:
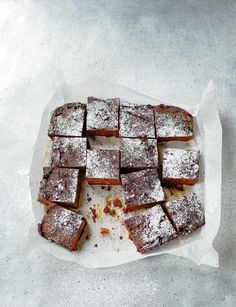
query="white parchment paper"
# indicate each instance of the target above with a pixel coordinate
(110, 250)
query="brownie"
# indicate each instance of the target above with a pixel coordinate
(142, 189)
(180, 166)
(69, 152)
(137, 153)
(63, 227)
(102, 116)
(136, 121)
(102, 167)
(67, 120)
(59, 185)
(150, 229)
(185, 213)
(173, 123)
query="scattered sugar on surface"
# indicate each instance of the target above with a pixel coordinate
(151, 228)
(102, 164)
(169, 125)
(64, 222)
(65, 188)
(103, 114)
(139, 153)
(142, 187)
(69, 122)
(136, 121)
(72, 149)
(186, 213)
(180, 163)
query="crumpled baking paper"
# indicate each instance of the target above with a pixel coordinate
(115, 249)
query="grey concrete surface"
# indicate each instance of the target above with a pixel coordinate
(167, 49)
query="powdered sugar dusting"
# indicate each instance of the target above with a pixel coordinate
(64, 222)
(67, 120)
(102, 114)
(180, 163)
(150, 229)
(171, 125)
(136, 120)
(69, 152)
(186, 213)
(59, 185)
(139, 153)
(102, 164)
(142, 187)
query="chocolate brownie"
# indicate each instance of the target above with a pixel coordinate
(138, 153)
(173, 123)
(67, 120)
(59, 185)
(102, 116)
(136, 121)
(69, 152)
(142, 189)
(102, 167)
(150, 229)
(180, 166)
(63, 227)
(185, 213)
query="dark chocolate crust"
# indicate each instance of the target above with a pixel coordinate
(67, 120)
(172, 123)
(62, 226)
(59, 185)
(103, 116)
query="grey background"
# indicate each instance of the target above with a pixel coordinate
(166, 49)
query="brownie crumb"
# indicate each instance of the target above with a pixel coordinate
(103, 187)
(117, 203)
(121, 237)
(94, 214)
(109, 188)
(95, 245)
(104, 231)
(108, 203)
(112, 212)
(106, 210)
(87, 237)
(89, 199)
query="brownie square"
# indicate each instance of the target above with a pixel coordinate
(137, 154)
(102, 116)
(142, 189)
(63, 227)
(59, 185)
(102, 167)
(136, 121)
(69, 152)
(150, 229)
(186, 213)
(180, 166)
(67, 120)
(173, 123)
